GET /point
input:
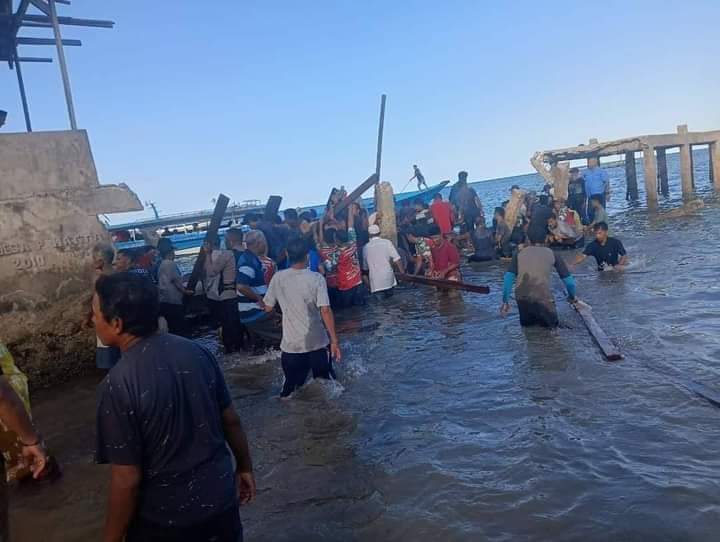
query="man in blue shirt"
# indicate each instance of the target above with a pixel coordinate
(597, 182)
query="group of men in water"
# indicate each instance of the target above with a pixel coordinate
(180, 461)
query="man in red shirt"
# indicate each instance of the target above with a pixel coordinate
(446, 258)
(442, 214)
(349, 274)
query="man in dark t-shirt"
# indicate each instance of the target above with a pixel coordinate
(165, 421)
(609, 252)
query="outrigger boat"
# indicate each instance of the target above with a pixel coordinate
(135, 234)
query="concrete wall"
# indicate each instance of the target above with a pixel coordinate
(50, 197)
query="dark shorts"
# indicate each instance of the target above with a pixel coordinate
(224, 527)
(106, 358)
(535, 313)
(297, 366)
(349, 298)
(175, 316)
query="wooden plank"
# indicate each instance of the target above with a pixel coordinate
(355, 194)
(211, 237)
(442, 283)
(271, 208)
(703, 391)
(608, 348)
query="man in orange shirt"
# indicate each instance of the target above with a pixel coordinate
(442, 214)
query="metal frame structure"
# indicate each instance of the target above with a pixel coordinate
(11, 21)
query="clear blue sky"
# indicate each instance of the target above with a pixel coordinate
(185, 99)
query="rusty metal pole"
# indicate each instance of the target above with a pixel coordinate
(63, 64)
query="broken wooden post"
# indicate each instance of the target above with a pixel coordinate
(210, 237)
(355, 194)
(686, 172)
(663, 171)
(631, 176)
(715, 163)
(385, 207)
(272, 208)
(650, 168)
(560, 173)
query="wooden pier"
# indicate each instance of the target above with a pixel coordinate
(553, 167)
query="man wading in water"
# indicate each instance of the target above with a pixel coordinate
(167, 426)
(303, 296)
(533, 265)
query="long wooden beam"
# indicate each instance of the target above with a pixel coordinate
(271, 208)
(211, 237)
(607, 347)
(442, 283)
(355, 194)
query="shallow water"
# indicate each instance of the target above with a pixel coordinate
(450, 423)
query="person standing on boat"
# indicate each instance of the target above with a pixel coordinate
(532, 268)
(419, 177)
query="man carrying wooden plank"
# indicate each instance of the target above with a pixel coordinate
(533, 266)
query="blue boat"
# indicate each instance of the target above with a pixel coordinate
(193, 240)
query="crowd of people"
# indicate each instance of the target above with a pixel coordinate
(180, 460)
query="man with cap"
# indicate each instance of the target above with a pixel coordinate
(532, 267)
(379, 256)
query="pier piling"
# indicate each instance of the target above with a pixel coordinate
(545, 162)
(714, 149)
(663, 172)
(631, 176)
(686, 171)
(650, 167)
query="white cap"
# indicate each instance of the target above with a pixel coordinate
(374, 230)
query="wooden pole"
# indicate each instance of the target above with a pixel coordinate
(271, 208)
(442, 283)
(603, 341)
(650, 169)
(715, 161)
(631, 176)
(355, 194)
(63, 64)
(211, 237)
(686, 172)
(663, 171)
(381, 129)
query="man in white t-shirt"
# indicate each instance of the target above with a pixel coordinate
(309, 342)
(379, 256)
